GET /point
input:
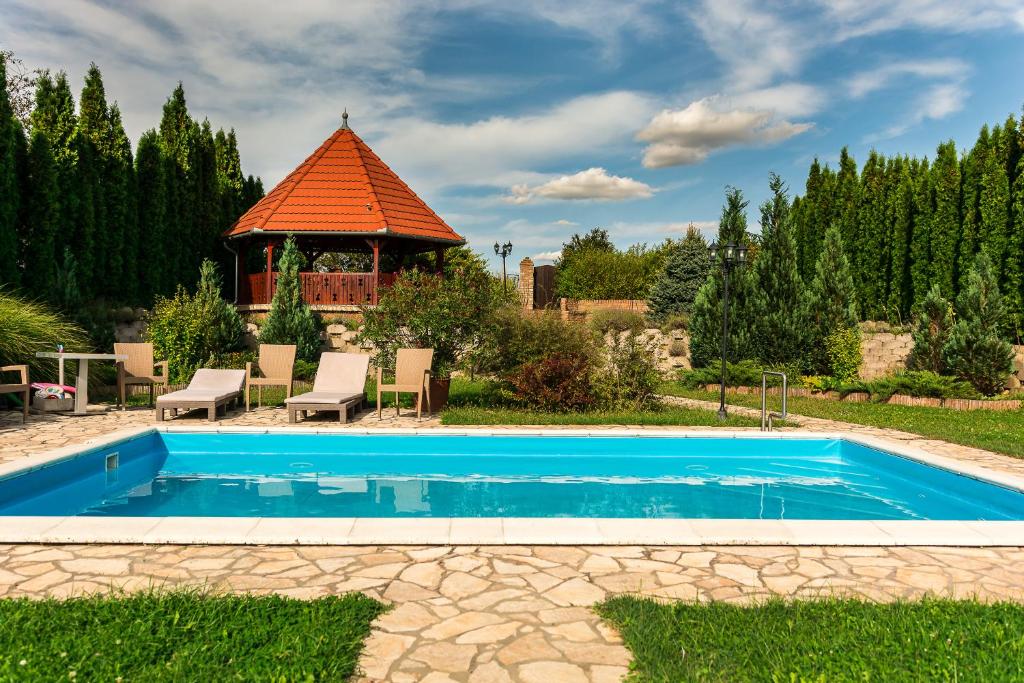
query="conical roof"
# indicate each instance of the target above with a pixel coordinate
(344, 187)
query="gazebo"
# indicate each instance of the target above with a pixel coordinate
(342, 199)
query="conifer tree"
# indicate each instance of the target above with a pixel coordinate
(42, 218)
(151, 210)
(847, 200)
(872, 261)
(122, 257)
(10, 129)
(931, 332)
(945, 223)
(290, 319)
(901, 217)
(1014, 271)
(971, 169)
(974, 351)
(831, 299)
(178, 133)
(686, 268)
(994, 210)
(777, 309)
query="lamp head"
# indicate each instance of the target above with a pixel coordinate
(713, 250)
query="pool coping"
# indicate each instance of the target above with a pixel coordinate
(510, 530)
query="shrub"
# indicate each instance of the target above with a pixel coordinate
(604, 274)
(454, 315)
(687, 265)
(831, 301)
(678, 348)
(920, 383)
(974, 351)
(931, 332)
(630, 377)
(616, 320)
(677, 321)
(746, 373)
(842, 349)
(291, 320)
(192, 331)
(27, 327)
(513, 339)
(560, 382)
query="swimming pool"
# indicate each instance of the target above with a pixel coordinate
(163, 473)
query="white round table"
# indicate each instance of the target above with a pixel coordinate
(82, 381)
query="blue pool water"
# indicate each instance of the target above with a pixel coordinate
(318, 475)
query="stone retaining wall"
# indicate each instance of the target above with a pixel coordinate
(884, 353)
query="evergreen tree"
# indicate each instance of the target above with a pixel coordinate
(10, 130)
(225, 327)
(178, 139)
(777, 310)
(994, 210)
(931, 332)
(901, 218)
(1014, 272)
(846, 208)
(921, 231)
(122, 249)
(154, 240)
(290, 319)
(229, 177)
(706, 321)
(41, 218)
(686, 269)
(971, 168)
(91, 143)
(974, 351)
(945, 227)
(871, 262)
(831, 299)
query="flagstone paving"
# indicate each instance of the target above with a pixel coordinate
(495, 614)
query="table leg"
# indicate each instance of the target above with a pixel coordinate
(82, 388)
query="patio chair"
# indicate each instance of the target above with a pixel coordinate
(412, 376)
(339, 385)
(23, 387)
(276, 364)
(138, 370)
(209, 389)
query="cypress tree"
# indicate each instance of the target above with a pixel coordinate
(92, 141)
(945, 228)
(42, 218)
(290, 319)
(686, 268)
(921, 232)
(208, 192)
(971, 169)
(155, 243)
(847, 200)
(974, 351)
(10, 129)
(994, 209)
(831, 299)
(177, 142)
(869, 261)
(229, 177)
(812, 218)
(901, 288)
(777, 309)
(1014, 272)
(123, 250)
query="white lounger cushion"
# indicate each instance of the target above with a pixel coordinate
(208, 385)
(342, 373)
(324, 397)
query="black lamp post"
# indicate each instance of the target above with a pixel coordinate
(503, 250)
(729, 256)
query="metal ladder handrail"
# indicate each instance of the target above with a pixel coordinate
(766, 417)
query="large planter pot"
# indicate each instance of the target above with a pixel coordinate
(439, 393)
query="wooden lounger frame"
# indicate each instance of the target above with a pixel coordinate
(212, 407)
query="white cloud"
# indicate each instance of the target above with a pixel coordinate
(867, 82)
(854, 18)
(689, 135)
(562, 221)
(593, 183)
(548, 256)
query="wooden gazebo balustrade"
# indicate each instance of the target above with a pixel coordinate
(318, 289)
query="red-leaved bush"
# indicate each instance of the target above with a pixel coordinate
(560, 382)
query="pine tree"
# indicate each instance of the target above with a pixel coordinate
(945, 227)
(931, 332)
(154, 240)
(777, 309)
(706, 321)
(42, 219)
(225, 326)
(290, 319)
(686, 269)
(831, 299)
(974, 351)
(10, 129)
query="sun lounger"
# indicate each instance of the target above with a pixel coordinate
(209, 389)
(339, 385)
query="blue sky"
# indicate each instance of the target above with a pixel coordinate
(528, 121)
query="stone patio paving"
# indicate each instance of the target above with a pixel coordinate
(502, 613)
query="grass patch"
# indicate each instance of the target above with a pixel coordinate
(998, 431)
(184, 636)
(821, 640)
(687, 417)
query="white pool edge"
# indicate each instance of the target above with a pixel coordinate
(510, 530)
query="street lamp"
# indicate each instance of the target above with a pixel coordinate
(503, 250)
(729, 257)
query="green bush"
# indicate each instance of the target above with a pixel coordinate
(687, 266)
(617, 320)
(604, 274)
(842, 348)
(931, 332)
(677, 321)
(291, 320)
(195, 331)
(27, 327)
(630, 376)
(559, 383)
(746, 373)
(513, 339)
(919, 383)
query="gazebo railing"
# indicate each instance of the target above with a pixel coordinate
(319, 289)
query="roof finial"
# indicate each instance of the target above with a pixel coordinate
(344, 119)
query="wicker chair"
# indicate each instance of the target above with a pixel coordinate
(23, 387)
(276, 366)
(138, 370)
(412, 376)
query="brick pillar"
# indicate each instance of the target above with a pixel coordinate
(526, 283)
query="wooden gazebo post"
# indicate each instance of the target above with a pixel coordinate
(375, 244)
(270, 271)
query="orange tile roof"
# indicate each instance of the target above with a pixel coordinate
(344, 187)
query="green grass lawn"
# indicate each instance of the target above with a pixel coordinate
(685, 417)
(183, 636)
(818, 641)
(999, 431)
